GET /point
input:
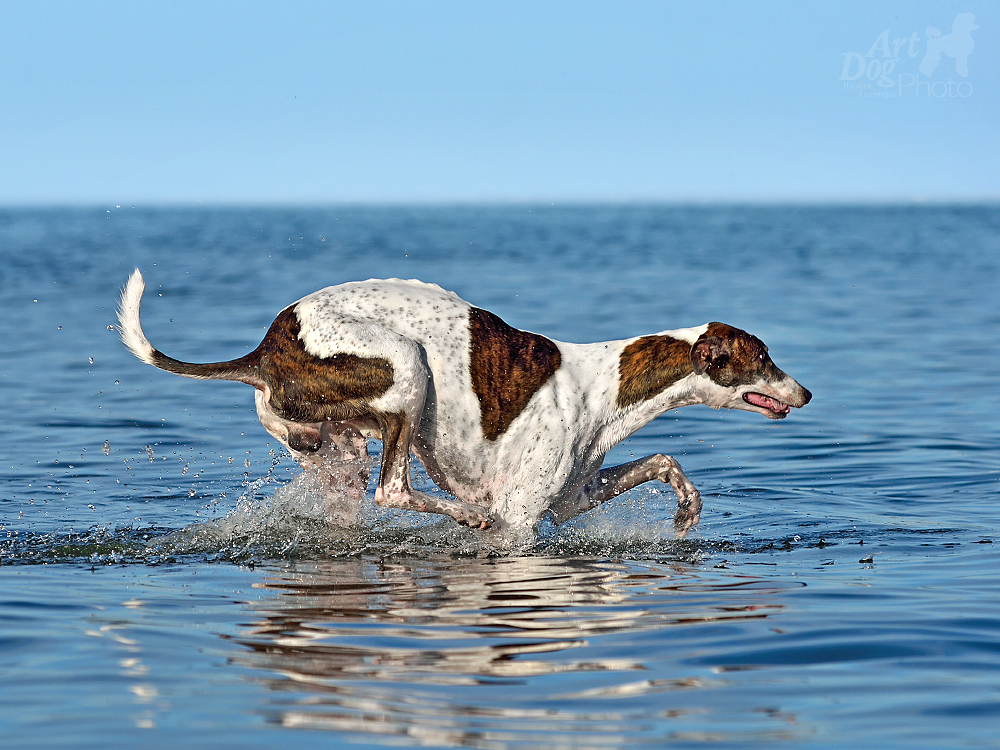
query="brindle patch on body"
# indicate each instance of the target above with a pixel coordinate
(649, 366)
(507, 367)
(305, 388)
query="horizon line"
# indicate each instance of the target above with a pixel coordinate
(895, 201)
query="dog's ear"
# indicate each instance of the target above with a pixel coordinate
(708, 350)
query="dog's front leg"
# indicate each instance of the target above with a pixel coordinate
(613, 481)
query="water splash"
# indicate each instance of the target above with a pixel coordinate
(277, 519)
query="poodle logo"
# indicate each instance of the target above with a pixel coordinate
(889, 69)
(958, 44)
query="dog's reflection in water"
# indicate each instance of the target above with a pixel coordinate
(443, 649)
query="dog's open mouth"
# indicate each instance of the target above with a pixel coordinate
(777, 409)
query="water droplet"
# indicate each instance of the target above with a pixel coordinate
(246, 462)
(106, 447)
(116, 382)
(90, 359)
(59, 327)
(191, 492)
(149, 452)
(111, 328)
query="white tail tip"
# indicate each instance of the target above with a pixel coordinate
(129, 327)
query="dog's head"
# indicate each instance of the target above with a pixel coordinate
(742, 375)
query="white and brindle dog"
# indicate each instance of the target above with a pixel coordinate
(511, 424)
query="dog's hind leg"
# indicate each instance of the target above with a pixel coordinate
(321, 368)
(397, 413)
(613, 481)
(335, 456)
(343, 471)
(395, 490)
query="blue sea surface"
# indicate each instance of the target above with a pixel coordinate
(167, 577)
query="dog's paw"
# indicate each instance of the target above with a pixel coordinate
(474, 519)
(688, 498)
(466, 514)
(482, 525)
(688, 512)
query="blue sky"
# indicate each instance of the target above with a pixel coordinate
(329, 102)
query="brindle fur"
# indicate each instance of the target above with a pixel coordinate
(649, 366)
(731, 357)
(305, 388)
(508, 367)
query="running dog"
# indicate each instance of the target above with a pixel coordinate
(512, 425)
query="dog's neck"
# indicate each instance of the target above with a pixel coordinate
(635, 380)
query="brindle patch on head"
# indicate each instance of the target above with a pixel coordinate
(732, 357)
(649, 366)
(507, 366)
(305, 388)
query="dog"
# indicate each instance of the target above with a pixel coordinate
(511, 424)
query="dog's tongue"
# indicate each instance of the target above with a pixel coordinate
(766, 402)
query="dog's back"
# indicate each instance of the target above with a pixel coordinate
(425, 313)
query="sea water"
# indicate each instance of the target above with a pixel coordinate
(168, 578)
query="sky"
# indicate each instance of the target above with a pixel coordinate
(404, 102)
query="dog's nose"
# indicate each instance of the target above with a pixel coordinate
(806, 396)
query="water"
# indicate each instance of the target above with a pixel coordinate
(166, 579)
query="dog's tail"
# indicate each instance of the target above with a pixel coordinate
(130, 329)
